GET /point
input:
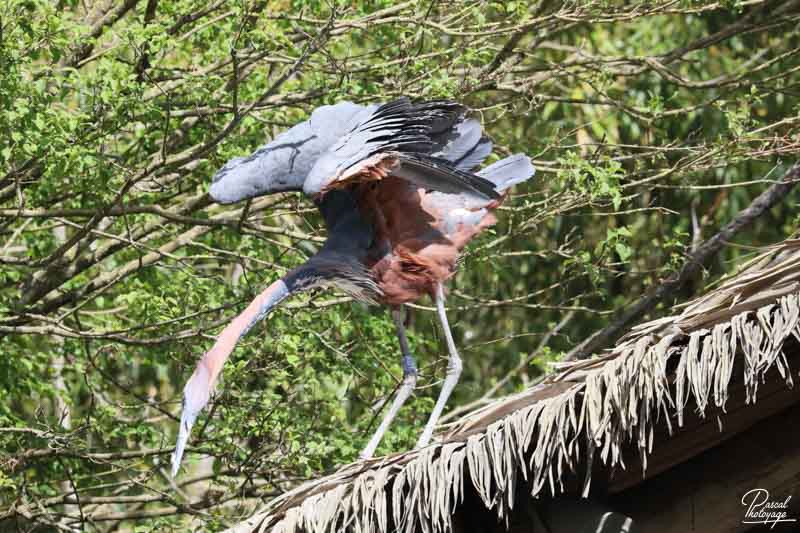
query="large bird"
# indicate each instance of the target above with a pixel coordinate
(396, 186)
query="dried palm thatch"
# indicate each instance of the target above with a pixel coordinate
(586, 411)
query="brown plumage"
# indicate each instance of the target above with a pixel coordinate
(413, 250)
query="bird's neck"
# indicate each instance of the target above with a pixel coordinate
(348, 230)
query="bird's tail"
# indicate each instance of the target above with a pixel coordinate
(508, 172)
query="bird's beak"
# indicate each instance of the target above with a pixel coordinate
(196, 394)
(187, 421)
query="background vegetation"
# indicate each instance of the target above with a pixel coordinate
(116, 270)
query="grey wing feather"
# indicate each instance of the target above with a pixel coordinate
(466, 135)
(466, 147)
(333, 121)
(284, 163)
(508, 172)
(475, 156)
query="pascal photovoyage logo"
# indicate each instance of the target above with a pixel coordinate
(761, 509)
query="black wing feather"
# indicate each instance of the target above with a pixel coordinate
(416, 130)
(440, 174)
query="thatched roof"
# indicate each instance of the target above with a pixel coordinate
(585, 414)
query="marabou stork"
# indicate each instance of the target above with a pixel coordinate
(396, 188)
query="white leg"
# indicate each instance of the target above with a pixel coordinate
(409, 382)
(452, 375)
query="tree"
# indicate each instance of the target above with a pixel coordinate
(117, 269)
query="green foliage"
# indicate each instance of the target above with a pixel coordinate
(595, 179)
(116, 272)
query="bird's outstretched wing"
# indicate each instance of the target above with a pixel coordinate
(283, 163)
(418, 142)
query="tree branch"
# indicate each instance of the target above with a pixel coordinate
(694, 262)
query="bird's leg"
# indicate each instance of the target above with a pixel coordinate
(409, 382)
(451, 377)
